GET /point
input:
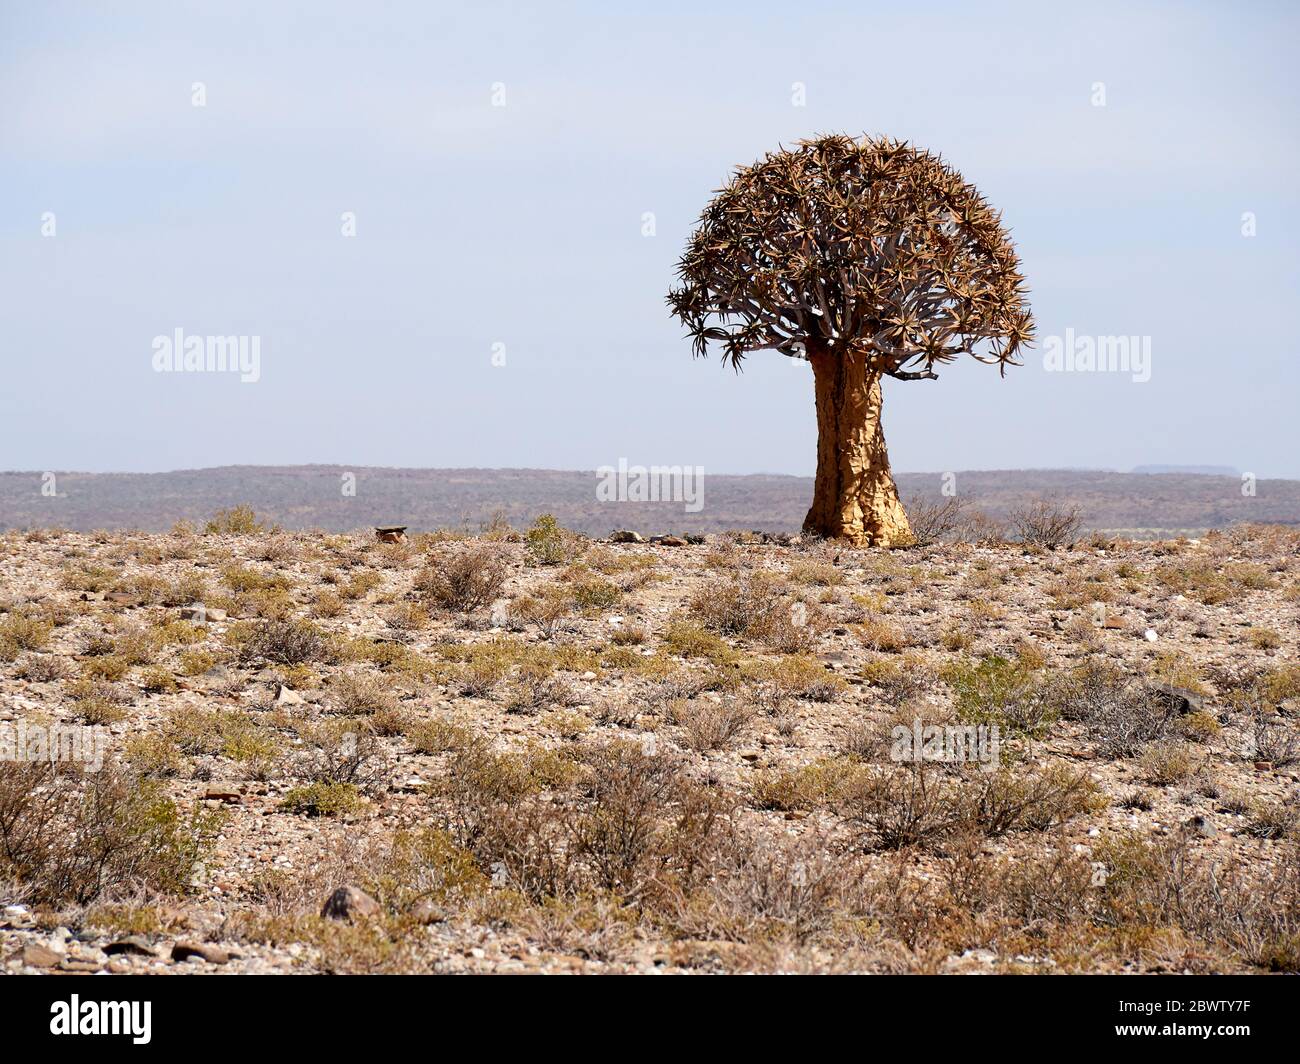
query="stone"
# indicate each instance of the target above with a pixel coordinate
(350, 903)
(201, 614)
(1181, 699)
(1202, 826)
(1151, 635)
(287, 697)
(223, 794)
(132, 944)
(625, 535)
(38, 956)
(669, 541)
(694, 539)
(183, 951)
(428, 912)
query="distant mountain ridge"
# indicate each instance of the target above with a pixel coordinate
(1134, 504)
(1197, 470)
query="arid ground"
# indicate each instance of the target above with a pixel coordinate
(530, 751)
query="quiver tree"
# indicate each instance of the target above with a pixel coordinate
(870, 259)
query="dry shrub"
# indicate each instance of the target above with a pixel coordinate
(548, 543)
(1165, 882)
(903, 805)
(1048, 524)
(899, 681)
(535, 689)
(236, 521)
(763, 888)
(283, 642)
(1005, 801)
(933, 522)
(746, 605)
(1167, 762)
(796, 677)
(1273, 739)
(1002, 691)
(45, 668)
(361, 693)
(711, 725)
(647, 827)
(463, 579)
(1050, 887)
(817, 572)
(439, 735)
(637, 827)
(756, 606)
(1122, 715)
(342, 751)
(22, 631)
(880, 636)
(815, 785)
(548, 610)
(69, 836)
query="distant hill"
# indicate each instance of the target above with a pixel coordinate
(1202, 470)
(1132, 504)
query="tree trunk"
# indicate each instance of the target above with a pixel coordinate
(855, 497)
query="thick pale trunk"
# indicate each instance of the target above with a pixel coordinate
(855, 497)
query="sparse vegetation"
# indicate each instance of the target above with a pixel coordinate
(638, 744)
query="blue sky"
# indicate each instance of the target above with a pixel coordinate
(521, 225)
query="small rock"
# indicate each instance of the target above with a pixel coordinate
(984, 956)
(38, 956)
(223, 794)
(133, 944)
(1151, 635)
(1203, 826)
(287, 697)
(626, 535)
(1263, 766)
(183, 951)
(428, 912)
(349, 903)
(1180, 698)
(669, 541)
(201, 614)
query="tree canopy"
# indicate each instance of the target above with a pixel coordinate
(839, 245)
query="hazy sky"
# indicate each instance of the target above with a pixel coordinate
(522, 225)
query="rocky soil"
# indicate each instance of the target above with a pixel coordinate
(535, 752)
